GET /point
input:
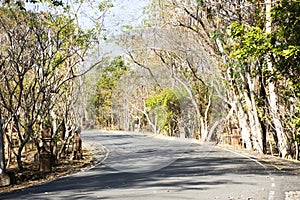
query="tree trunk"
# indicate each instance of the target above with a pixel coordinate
(126, 121)
(255, 126)
(241, 115)
(199, 118)
(19, 156)
(273, 98)
(21, 147)
(282, 142)
(206, 135)
(244, 126)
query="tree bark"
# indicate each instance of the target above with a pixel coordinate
(255, 126)
(273, 97)
(244, 126)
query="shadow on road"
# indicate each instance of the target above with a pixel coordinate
(185, 173)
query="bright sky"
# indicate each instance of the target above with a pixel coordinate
(124, 13)
(127, 12)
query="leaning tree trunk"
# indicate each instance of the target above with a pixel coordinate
(199, 118)
(241, 115)
(273, 97)
(255, 126)
(245, 128)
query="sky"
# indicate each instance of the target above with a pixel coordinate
(127, 12)
(123, 13)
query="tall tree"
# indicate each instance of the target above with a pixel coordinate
(41, 53)
(273, 97)
(237, 37)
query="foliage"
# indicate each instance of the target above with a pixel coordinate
(166, 106)
(106, 85)
(252, 46)
(104, 5)
(286, 42)
(40, 53)
(249, 43)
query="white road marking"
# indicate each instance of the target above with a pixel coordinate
(271, 195)
(252, 159)
(103, 159)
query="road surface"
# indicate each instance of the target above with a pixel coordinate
(138, 166)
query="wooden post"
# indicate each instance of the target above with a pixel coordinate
(45, 155)
(78, 145)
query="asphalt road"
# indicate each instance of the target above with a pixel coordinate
(146, 167)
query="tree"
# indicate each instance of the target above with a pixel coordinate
(267, 50)
(130, 98)
(187, 61)
(106, 85)
(207, 23)
(41, 53)
(284, 73)
(236, 48)
(166, 107)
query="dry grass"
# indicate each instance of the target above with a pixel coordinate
(32, 176)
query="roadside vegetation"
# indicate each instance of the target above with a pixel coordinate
(43, 56)
(221, 71)
(214, 71)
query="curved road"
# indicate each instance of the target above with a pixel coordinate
(145, 167)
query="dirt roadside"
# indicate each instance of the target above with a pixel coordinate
(273, 163)
(95, 154)
(31, 176)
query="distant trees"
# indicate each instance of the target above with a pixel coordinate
(106, 86)
(130, 99)
(165, 106)
(185, 62)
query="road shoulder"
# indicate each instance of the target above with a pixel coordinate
(272, 162)
(92, 155)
